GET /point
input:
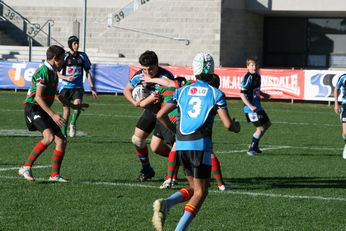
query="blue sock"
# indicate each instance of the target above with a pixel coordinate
(147, 168)
(184, 221)
(254, 142)
(174, 199)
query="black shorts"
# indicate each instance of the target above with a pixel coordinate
(164, 133)
(258, 118)
(192, 161)
(147, 121)
(72, 93)
(37, 119)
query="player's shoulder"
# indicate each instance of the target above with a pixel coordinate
(164, 72)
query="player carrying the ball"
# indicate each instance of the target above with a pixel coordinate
(147, 121)
(40, 116)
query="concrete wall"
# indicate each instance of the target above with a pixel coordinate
(241, 34)
(196, 20)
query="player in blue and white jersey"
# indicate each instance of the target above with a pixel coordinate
(341, 111)
(250, 94)
(197, 105)
(147, 121)
(75, 62)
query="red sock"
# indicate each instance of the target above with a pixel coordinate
(57, 160)
(143, 155)
(216, 170)
(37, 150)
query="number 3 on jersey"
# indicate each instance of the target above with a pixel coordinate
(196, 107)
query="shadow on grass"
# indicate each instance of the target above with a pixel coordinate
(287, 182)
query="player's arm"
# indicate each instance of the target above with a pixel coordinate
(151, 99)
(336, 101)
(228, 122)
(163, 114)
(63, 77)
(264, 95)
(161, 81)
(246, 102)
(58, 119)
(128, 95)
(92, 84)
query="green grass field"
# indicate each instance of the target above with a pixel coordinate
(298, 183)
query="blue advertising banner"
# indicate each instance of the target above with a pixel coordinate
(108, 78)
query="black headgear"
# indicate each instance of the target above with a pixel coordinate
(72, 39)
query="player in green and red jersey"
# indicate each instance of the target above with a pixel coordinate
(165, 92)
(40, 116)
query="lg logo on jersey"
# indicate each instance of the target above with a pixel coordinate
(198, 91)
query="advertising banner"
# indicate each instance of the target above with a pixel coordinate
(320, 84)
(108, 78)
(280, 84)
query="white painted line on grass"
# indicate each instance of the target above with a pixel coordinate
(16, 168)
(252, 194)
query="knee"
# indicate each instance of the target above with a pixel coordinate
(48, 139)
(138, 142)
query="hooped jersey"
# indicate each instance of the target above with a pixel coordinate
(74, 66)
(46, 77)
(152, 87)
(251, 88)
(341, 84)
(197, 105)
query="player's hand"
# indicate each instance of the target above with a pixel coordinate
(235, 127)
(266, 96)
(94, 93)
(70, 78)
(146, 78)
(253, 108)
(337, 109)
(58, 119)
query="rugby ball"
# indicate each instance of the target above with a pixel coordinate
(140, 92)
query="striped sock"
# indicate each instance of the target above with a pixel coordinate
(216, 170)
(37, 150)
(143, 157)
(190, 212)
(57, 160)
(171, 167)
(182, 195)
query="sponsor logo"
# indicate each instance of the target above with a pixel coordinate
(288, 84)
(69, 70)
(19, 74)
(198, 91)
(37, 117)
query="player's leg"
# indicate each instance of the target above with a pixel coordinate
(66, 110)
(217, 174)
(144, 127)
(199, 184)
(261, 124)
(36, 119)
(344, 137)
(57, 158)
(159, 147)
(172, 170)
(77, 99)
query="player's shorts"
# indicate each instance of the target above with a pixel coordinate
(147, 121)
(258, 118)
(343, 113)
(37, 119)
(72, 93)
(192, 161)
(164, 133)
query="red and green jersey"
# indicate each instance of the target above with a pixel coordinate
(44, 76)
(167, 93)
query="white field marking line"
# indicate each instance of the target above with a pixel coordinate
(281, 147)
(17, 168)
(253, 194)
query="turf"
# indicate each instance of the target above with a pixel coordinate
(298, 183)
